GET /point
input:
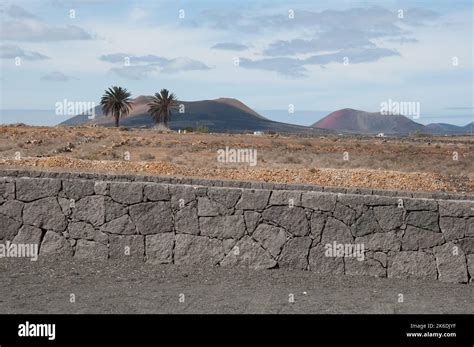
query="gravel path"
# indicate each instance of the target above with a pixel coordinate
(356, 178)
(136, 287)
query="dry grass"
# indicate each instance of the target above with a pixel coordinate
(195, 150)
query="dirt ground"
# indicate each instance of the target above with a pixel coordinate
(137, 287)
(412, 163)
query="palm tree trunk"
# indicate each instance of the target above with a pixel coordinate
(117, 120)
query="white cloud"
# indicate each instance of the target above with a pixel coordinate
(57, 76)
(14, 51)
(24, 26)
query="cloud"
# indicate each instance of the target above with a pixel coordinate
(13, 51)
(295, 68)
(57, 76)
(19, 12)
(375, 19)
(403, 40)
(138, 72)
(289, 67)
(326, 36)
(141, 66)
(138, 14)
(329, 41)
(121, 58)
(183, 64)
(354, 56)
(24, 26)
(229, 46)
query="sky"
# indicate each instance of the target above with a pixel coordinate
(272, 55)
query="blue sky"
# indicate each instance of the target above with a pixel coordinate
(322, 55)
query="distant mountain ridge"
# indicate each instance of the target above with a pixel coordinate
(231, 115)
(219, 115)
(362, 122)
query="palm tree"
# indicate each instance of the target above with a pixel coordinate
(161, 105)
(116, 101)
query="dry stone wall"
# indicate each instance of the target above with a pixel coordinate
(327, 232)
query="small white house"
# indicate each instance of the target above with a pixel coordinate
(380, 135)
(259, 133)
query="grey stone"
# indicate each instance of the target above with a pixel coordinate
(292, 219)
(228, 245)
(224, 196)
(126, 192)
(65, 205)
(156, 192)
(389, 217)
(197, 250)
(420, 205)
(152, 217)
(159, 248)
(253, 200)
(451, 263)
(366, 224)
(336, 231)
(181, 195)
(318, 220)
(54, 244)
(91, 250)
(122, 225)
(223, 227)
(385, 242)
(345, 214)
(12, 209)
(366, 267)
(450, 208)
(251, 220)
(270, 237)
(325, 265)
(7, 191)
(113, 210)
(353, 201)
(77, 189)
(30, 189)
(200, 192)
(285, 198)
(45, 213)
(28, 235)
(186, 220)
(248, 253)
(82, 230)
(294, 254)
(127, 246)
(9, 227)
(380, 200)
(470, 267)
(319, 201)
(410, 264)
(210, 208)
(101, 188)
(423, 219)
(453, 228)
(470, 227)
(467, 245)
(90, 209)
(380, 257)
(416, 239)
